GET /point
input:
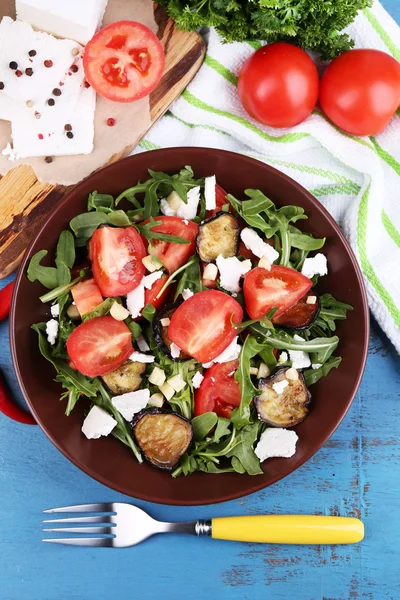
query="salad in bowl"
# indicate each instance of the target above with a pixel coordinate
(189, 322)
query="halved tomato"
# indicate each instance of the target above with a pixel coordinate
(124, 61)
(202, 327)
(280, 288)
(220, 200)
(173, 255)
(99, 345)
(117, 254)
(218, 392)
(87, 296)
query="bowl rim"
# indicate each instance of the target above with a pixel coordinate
(252, 488)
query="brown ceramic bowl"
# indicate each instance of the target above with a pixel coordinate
(109, 461)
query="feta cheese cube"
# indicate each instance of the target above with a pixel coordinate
(189, 210)
(283, 356)
(97, 423)
(316, 365)
(142, 344)
(186, 294)
(166, 208)
(231, 270)
(210, 272)
(142, 358)
(300, 359)
(280, 386)
(150, 279)
(263, 371)
(311, 300)
(197, 379)
(157, 376)
(317, 265)
(156, 400)
(257, 246)
(177, 383)
(52, 331)
(209, 192)
(135, 300)
(175, 350)
(167, 390)
(131, 403)
(165, 322)
(72, 19)
(119, 312)
(276, 442)
(55, 310)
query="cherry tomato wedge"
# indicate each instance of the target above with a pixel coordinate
(281, 288)
(124, 61)
(117, 254)
(173, 255)
(87, 296)
(218, 392)
(99, 345)
(202, 327)
(150, 296)
(220, 200)
(5, 300)
(301, 315)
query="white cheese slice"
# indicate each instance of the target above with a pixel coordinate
(152, 278)
(142, 358)
(75, 19)
(131, 403)
(174, 350)
(282, 357)
(231, 270)
(166, 209)
(52, 331)
(231, 352)
(300, 359)
(197, 379)
(135, 300)
(55, 310)
(316, 365)
(209, 192)
(280, 386)
(142, 344)
(97, 423)
(186, 294)
(189, 210)
(257, 246)
(317, 265)
(276, 442)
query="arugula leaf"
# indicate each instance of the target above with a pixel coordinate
(65, 257)
(98, 201)
(102, 309)
(135, 328)
(304, 241)
(85, 224)
(191, 279)
(149, 234)
(149, 312)
(203, 424)
(241, 416)
(47, 276)
(331, 310)
(244, 452)
(61, 290)
(313, 375)
(171, 278)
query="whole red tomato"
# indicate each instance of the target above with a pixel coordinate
(360, 91)
(278, 85)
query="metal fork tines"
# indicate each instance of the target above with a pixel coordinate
(119, 525)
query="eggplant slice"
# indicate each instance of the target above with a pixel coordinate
(127, 378)
(162, 436)
(218, 235)
(161, 332)
(300, 316)
(287, 408)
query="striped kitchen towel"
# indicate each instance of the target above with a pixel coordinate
(356, 179)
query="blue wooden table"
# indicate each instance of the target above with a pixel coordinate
(357, 473)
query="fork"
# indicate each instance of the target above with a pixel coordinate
(121, 525)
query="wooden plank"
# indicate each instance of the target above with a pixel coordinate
(25, 202)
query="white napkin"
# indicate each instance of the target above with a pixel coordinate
(356, 179)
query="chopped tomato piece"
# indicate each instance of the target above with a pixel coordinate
(170, 254)
(99, 345)
(87, 296)
(150, 296)
(218, 392)
(280, 288)
(202, 327)
(124, 61)
(117, 254)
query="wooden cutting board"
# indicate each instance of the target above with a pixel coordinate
(25, 202)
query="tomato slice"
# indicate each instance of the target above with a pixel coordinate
(124, 61)
(202, 327)
(99, 345)
(281, 288)
(218, 392)
(173, 255)
(220, 200)
(87, 296)
(117, 254)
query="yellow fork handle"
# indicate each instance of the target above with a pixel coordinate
(289, 529)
